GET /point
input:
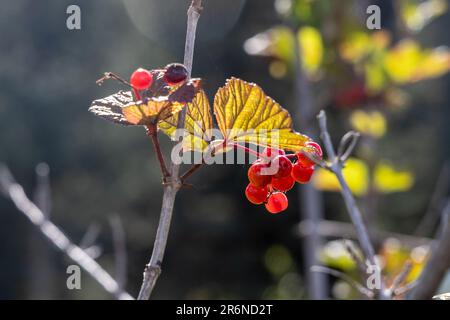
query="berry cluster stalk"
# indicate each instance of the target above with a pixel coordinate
(173, 183)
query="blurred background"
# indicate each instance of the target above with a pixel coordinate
(390, 84)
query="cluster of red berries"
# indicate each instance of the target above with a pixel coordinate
(174, 73)
(272, 175)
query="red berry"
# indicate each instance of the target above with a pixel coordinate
(283, 184)
(277, 202)
(141, 79)
(316, 146)
(271, 153)
(312, 148)
(301, 173)
(256, 175)
(175, 74)
(283, 166)
(256, 195)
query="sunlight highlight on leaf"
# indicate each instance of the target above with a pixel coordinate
(151, 112)
(198, 124)
(245, 113)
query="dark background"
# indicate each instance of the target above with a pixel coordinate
(220, 246)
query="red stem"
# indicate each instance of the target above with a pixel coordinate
(152, 133)
(136, 94)
(248, 150)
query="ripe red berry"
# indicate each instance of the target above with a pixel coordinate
(175, 74)
(312, 148)
(283, 166)
(283, 184)
(141, 79)
(277, 202)
(302, 174)
(256, 175)
(256, 195)
(317, 147)
(271, 153)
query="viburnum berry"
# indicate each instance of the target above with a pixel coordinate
(312, 148)
(302, 174)
(141, 79)
(283, 184)
(256, 195)
(175, 74)
(256, 176)
(284, 166)
(277, 202)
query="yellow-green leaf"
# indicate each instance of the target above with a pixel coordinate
(370, 123)
(246, 114)
(198, 124)
(387, 179)
(312, 48)
(356, 174)
(152, 111)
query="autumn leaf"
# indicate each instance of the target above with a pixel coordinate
(246, 114)
(198, 124)
(110, 107)
(159, 102)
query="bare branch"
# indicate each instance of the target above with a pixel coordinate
(400, 278)
(338, 229)
(15, 192)
(438, 263)
(42, 194)
(352, 209)
(171, 187)
(437, 203)
(347, 144)
(338, 274)
(355, 256)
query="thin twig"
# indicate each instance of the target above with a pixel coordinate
(338, 229)
(400, 278)
(153, 268)
(15, 192)
(438, 263)
(429, 220)
(355, 256)
(153, 134)
(352, 209)
(338, 274)
(189, 172)
(406, 288)
(345, 148)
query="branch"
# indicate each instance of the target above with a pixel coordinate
(352, 209)
(438, 263)
(400, 278)
(309, 198)
(15, 192)
(153, 268)
(338, 229)
(338, 274)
